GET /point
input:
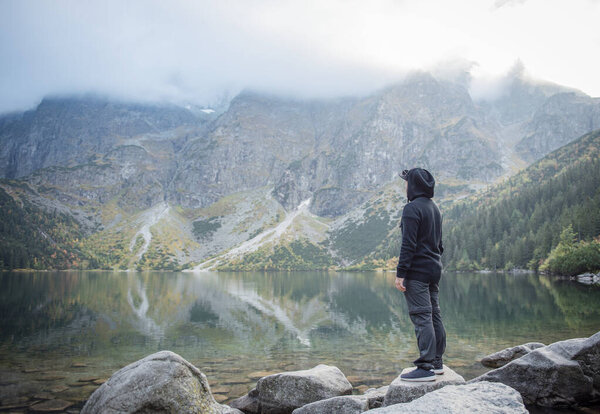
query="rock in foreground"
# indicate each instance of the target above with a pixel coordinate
(482, 397)
(161, 382)
(565, 373)
(347, 404)
(501, 358)
(403, 391)
(284, 392)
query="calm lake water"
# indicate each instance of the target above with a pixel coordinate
(60, 332)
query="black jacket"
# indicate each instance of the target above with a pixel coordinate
(421, 224)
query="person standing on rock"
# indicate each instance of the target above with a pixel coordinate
(419, 271)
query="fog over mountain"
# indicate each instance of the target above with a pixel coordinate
(196, 52)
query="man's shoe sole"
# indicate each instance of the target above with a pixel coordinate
(439, 371)
(423, 379)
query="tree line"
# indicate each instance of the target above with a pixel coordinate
(518, 223)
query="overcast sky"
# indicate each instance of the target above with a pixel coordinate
(194, 51)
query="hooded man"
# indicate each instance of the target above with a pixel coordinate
(419, 271)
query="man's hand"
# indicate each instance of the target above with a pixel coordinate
(400, 284)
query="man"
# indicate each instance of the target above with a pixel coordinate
(419, 271)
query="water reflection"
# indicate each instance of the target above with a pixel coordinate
(138, 300)
(349, 319)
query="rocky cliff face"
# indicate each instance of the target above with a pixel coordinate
(68, 131)
(338, 151)
(559, 120)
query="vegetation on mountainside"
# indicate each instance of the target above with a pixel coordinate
(297, 255)
(204, 228)
(357, 239)
(108, 250)
(518, 223)
(157, 258)
(31, 237)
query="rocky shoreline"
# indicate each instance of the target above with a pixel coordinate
(564, 374)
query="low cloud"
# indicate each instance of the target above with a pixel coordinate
(194, 51)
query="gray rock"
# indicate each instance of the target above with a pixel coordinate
(372, 398)
(284, 392)
(562, 118)
(347, 404)
(564, 373)
(403, 391)
(248, 403)
(501, 358)
(161, 382)
(588, 278)
(482, 397)
(375, 396)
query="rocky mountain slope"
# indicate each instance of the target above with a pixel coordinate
(167, 186)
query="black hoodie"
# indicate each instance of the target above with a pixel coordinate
(420, 255)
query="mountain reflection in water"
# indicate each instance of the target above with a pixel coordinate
(231, 324)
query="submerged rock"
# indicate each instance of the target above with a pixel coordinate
(564, 373)
(482, 397)
(284, 392)
(404, 391)
(51, 406)
(161, 382)
(501, 358)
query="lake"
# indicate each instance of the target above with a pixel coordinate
(63, 333)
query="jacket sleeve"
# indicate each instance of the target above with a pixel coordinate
(410, 228)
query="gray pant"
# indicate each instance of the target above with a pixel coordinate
(424, 310)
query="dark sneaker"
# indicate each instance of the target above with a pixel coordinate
(438, 366)
(418, 375)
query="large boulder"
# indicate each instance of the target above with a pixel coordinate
(565, 373)
(161, 382)
(481, 397)
(346, 404)
(373, 397)
(501, 358)
(284, 392)
(401, 391)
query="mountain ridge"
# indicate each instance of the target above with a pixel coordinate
(228, 176)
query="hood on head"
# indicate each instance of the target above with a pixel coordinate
(420, 183)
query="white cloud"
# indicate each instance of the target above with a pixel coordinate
(192, 50)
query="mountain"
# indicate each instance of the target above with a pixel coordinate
(70, 131)
(294, 183)
(338, 152)
(518, 222)
(560, 119)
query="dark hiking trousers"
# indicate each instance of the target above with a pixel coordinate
(424, 310)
